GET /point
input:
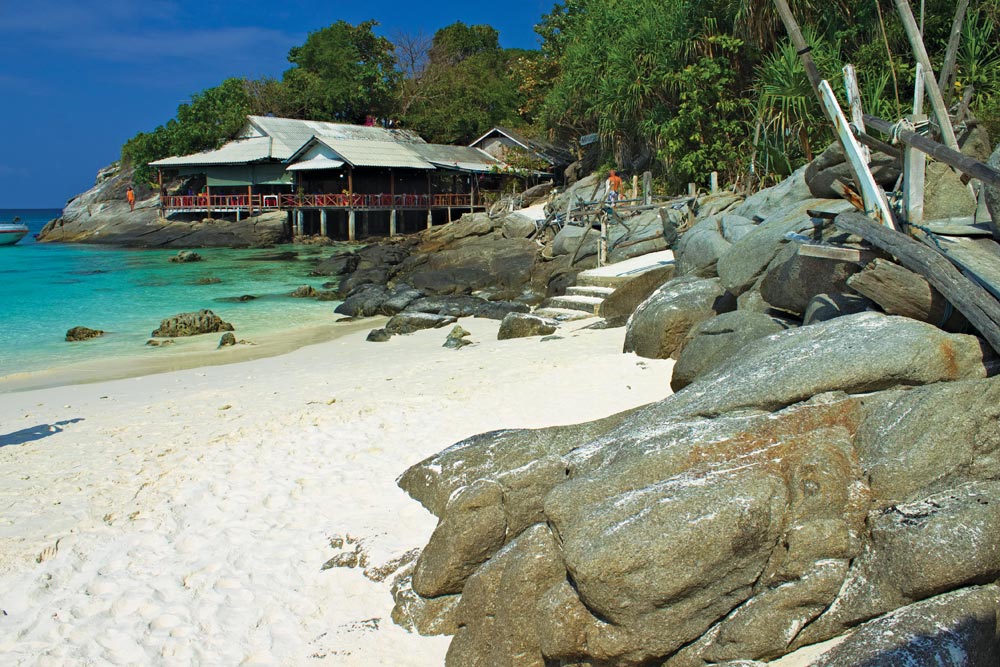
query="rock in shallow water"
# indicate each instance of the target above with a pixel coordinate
(192, 324)
(82, 333)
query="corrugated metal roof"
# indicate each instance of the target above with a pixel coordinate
(242, 151)
(316, 163)
(363, 153)
(289, 134)
(461, 158)
(551, 154)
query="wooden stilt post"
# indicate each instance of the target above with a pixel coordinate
(299, 222)
(208, 200)
(392, 222)
(159, 178)
(322, 223)
(937, 102)
(351, 230)
(874, 198)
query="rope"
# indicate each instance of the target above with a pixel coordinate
(897, 129)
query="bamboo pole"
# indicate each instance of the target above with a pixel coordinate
(937, 102)
(946, 79)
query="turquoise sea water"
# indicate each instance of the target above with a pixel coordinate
(49, 288)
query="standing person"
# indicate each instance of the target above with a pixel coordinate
(614, 186)
(130, 195)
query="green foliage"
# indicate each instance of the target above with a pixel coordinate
(467, 87)
(213, 116)
(343, 73)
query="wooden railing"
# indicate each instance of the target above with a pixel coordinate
(258, 202)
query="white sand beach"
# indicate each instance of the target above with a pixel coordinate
(183, 518)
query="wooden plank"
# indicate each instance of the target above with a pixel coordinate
(978, 305)
(952, 158)
(971, 257)
(874, 198)
(840, 253)
(920, 53)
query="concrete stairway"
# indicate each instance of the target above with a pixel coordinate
(595, 285)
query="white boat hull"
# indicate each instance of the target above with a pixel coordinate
(11, 234)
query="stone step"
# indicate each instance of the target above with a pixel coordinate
(614, 275)
(590, 290)
(562, 314)
(586, 304)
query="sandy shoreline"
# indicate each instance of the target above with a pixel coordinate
(184, 517)
(185, 353)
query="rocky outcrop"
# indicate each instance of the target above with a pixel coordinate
(82, 333)
(658, 327)
(102, 215)
(827, 473)
(993, 196)
(191, 324)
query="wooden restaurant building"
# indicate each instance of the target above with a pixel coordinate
(334, 179)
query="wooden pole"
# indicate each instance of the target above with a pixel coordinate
(799, 42)
(159, 178)
(872, 194)
(208, 199)
(854, 100)
(946, 79)
(937, 102)
(953, 158)
(647, 188)
(713, 182)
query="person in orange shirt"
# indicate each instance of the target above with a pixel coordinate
(614, 186)
(130, 195)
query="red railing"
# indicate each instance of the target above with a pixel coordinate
(292, 201)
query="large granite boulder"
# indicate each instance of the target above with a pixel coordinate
(471, 263)
(793, 279)
(699, 248)
(337, 265)
(618, 306)
(714, 341)
(704, 529)
(764, 203)
(406, 323)
(191, 324)
(637, 235)
(945, 195)
(658, 327)
(364, 301)
(747, 259)
(957, 629)
(831, 166)
(856, 353)
(523, 325)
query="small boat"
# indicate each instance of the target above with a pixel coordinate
(12, 232)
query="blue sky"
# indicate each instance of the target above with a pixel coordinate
(79, 78)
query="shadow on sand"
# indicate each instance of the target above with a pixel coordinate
(33, 433)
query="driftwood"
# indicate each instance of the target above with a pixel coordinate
(899, 291)
(978, 305)
(978, 259)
